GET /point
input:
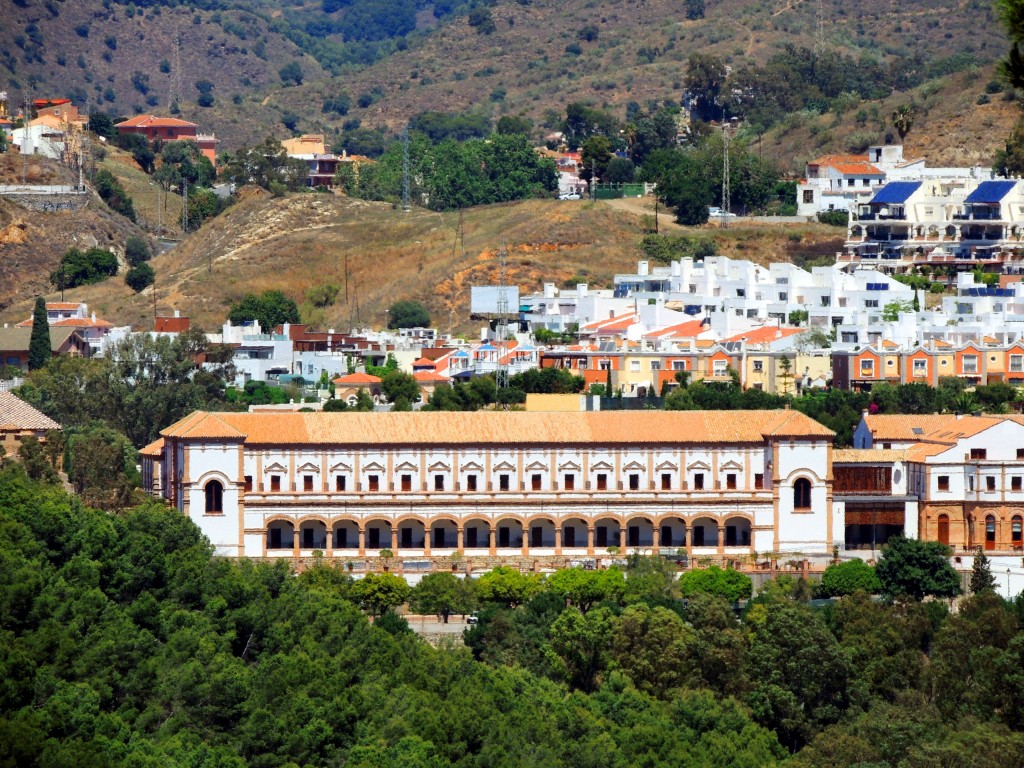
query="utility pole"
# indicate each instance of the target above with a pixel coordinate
(405, 168)
(725, 172)
(184, 207)
(593, 182)
(24, 142)
(501, 327)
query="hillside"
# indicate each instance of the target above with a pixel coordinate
(295, 243)
(32, 243)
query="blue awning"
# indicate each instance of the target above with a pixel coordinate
(896, 192)
(990, 192)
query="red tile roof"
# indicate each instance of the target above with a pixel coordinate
(152, 121)
(685, 330)
(764, 334)
(357, 378)
(424, 362)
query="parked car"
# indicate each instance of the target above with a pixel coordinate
(718, 213)
(569, 196)
(473, 618)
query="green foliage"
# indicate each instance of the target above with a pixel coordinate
(507, 586)
(379, 592)
(847, 578)
(291, 74)
(401, 389)
(509, 125)
(39, 347)
(668, 248)
(915, 569)
(557, 381)
(271, 309)
(136, 250)
(438, 126)
(139, 277)
(583, 588)
(442, 594)
(408, 314)
(982, 579)
(730, 584)
(83, 268)
(480, 18)
(266, 165)
(322, 295)
(834, 218)
(102, 124)
(112, 193)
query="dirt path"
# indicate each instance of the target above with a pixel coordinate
(641, 207)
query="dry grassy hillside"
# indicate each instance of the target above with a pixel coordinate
(295, 243)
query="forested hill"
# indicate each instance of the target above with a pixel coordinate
(124, 642)
(267, 66)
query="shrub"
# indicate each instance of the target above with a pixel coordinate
(139, 277)
(847, 578)
(136, 250)
(834, 218)
(84, 267)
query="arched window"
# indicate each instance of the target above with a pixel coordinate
(943, 529)
(1016, 531)
(214, 497)
(990, 532)
(802, 493)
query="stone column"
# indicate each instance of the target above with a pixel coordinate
(394, 538)
(460, 540)
(590, 540)
(558, 538)
(362, 540)
(526, 540)
(492, 540)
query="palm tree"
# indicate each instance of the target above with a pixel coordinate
(903, 119)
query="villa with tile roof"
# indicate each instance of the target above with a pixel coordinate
(170, 129)
(18, 420)
(500, 483)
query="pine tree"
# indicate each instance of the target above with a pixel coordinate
(982, 579)
(39, 352)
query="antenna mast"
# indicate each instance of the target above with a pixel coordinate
(501, 327)
(819, 41)
(175, 90)
(405, 168)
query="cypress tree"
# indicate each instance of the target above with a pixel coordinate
(39, 351)
(982, 579)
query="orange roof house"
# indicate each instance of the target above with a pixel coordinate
(170, 129)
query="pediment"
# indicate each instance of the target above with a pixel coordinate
(309, 467)
(699, 465)
(275, 467)
(504, 466)
(732, 465)
(635, 466)
(373, 466)
(341, 467)
(537, 466)
(667, 466)
(601, 466)
(571, 466)
(439, 466)
(472, 466)
(406, 466)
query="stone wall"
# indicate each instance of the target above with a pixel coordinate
(57, 203)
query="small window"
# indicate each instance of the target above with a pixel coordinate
(570, 482)
(503, 481)
(943, 482)
(471, 483)
(802, 493)
(979, 454)
(275, 483)
(970, 483)
(759, 480)
(1020, 453)
(307, 483)
(758, 366)
(1015, 530)
(374, 482)
(1015, 483)
(406, 483)
(698, 481)
(248, 483)
(339, 483)
(438, 482)
(634, 482)
(602, 481)
(730, 482)
(990, 483)
(214, 493)
(535, 482)
(666, 481)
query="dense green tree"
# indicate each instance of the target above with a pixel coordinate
(655, 647)
(266, 165)
(136, 249)
(401, 389)
(408, 314)
(595, 154)
(582, 588)
(39, 348)
(508, 125)
(291, 74)
(379, 592)
(442, 594)
(982, 579)
(847, 578)
(705, 78)
(620, 170)
(139, 277)
(916, 568)
(83, 268)
(270, 309)
(547, 381)
(727, 583)
(507, 586)
(581, 642)
(113, 194)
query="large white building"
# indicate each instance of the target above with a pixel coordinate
(503, 484)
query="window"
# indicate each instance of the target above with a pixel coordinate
(942, 533)
(758, 366)
(438, 482)
(871, 303)
(783, 296)
(718, 367)
(1015, 483)
(214, 493)
(1015, 531)
(604, 365)
(634, 365)
(535, 481)
(307, 483)
(471, 483)
(970, 483)
(1020, 454)
(759, 480)
(970, 364)
(503, 482)
(374, 483)
(1017, 363)
(867, 367)
(569, 482)
(808, 196)
(655, 365)
(339, 483)
(406, 483)
(730, 481)
(666, 481)
(698, 481)
(920, 367)
(248, 483)
(979, 454)
(990, 532)
(634, 482)
(602, 481)
(802, 493)
(943, 482)
(678, 365)
(275, 483)
(990, 483)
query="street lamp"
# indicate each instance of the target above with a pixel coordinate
(1008, 595)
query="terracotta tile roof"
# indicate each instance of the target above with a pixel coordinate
(357, 378)
(17, 339)
(867, 455)
(857, 169)
(152, 121)
(686, 330)
(430, 376)
(71, 322)
(43, 103)
(925, 450)
(154, 449)
(16, 414)
(902, 427)
(829, 159)
(765, 333)
(499, 427)
(603, 325)
(62, 305)
(424, 362)
(889, 344)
